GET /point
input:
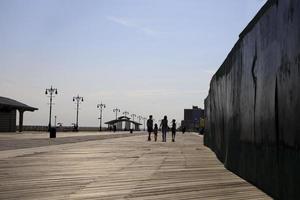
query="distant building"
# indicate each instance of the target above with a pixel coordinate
(8, 112)
(192, 118)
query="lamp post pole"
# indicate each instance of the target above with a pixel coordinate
(77, 100)
(133, 115)
(116, 110)
(101, 106)
(51, 91)
(139, 117)
(144, 118)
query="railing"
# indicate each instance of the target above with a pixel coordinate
(60, 128)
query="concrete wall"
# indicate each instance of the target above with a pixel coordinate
(253, 106)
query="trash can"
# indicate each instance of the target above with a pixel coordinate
(52, 132)
(131, 130)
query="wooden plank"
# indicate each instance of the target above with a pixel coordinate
(123, 168)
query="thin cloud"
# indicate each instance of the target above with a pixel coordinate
(131, 24)
(121, 21)
(149, 31)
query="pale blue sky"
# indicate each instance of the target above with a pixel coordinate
(143, 56)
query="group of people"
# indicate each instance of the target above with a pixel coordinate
(164, 129)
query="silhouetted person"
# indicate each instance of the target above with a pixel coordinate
(155, 131)
(164, 128)
(202, 131)
(114, 128)
(173, 130)
(183, 129)
(150, 127)
(74, 128)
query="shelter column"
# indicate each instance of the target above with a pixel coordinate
(21, 112)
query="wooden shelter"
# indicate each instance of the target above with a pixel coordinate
(129, 124)
(8, 113)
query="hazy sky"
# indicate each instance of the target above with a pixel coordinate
(141, 56)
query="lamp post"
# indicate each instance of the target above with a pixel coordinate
(116, 110)
(51, 91)
(101, 106)
(133, 116)
(125, 113)
(77, 100)
(139, 118)
(144, 118)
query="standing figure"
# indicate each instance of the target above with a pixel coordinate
(150, 127)
(173, 130)
(155, 131)
(164, 128)
(183, 129)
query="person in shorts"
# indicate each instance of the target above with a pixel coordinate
(149, 127)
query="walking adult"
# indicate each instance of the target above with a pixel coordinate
(150, 127)
(173, 130)
(164, 128)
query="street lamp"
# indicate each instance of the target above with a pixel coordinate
(133, 115)
(140, 117)
(116, 110)
(77, 100)
(51, 91)
(101, 106)
(125, 113)
(144, 118)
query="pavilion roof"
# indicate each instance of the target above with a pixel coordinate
(121, 120)
(13, 104)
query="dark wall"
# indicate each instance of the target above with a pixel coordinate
(253, 106)
(7, 120)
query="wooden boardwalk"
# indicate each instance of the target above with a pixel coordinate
(122, 168)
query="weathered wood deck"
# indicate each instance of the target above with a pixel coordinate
(122, 168)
